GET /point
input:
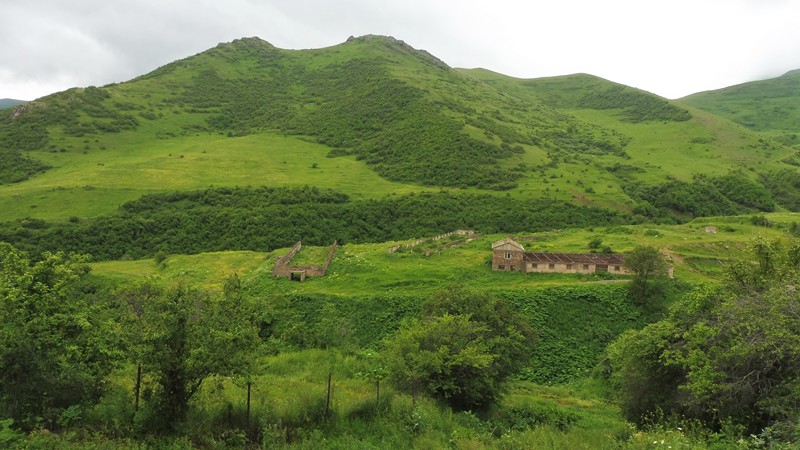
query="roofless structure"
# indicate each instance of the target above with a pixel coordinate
(509, 255)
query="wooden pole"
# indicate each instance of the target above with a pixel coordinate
(249, 385)
(328, 400)
(137, 388)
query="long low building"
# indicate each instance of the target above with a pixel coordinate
(509, 255)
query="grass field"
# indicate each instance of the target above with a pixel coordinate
(764, 105)
(98, 182)
(288, 410)
(697, 255)
(206, 269)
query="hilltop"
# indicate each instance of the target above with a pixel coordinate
(771, 105)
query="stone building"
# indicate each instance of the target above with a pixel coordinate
(509, 255)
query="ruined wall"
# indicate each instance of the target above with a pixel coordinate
(284, 269)
(397, 247)
(281, 268)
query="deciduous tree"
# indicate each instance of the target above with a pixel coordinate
(55, 346)
(461, 351)
(187, 336)
(725, 353)
(649, 273)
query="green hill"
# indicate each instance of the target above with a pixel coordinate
(371, 118)
(771, 105)
(9, 102)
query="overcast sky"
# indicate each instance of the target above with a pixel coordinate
(672, 48)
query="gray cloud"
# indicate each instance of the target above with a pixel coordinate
(672, 48)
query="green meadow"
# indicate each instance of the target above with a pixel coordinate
(98, 182)
(360, 269)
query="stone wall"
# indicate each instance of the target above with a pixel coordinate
(284, 269)
(282, 263)
(397, 247)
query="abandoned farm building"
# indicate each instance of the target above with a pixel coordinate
(509, 255)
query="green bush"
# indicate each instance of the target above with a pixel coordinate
(264, 219)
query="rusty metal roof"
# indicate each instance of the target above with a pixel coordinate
(575, 258)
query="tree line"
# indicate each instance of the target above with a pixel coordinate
(263, 219)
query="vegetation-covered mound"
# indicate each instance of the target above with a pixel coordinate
(247, 113)
(765, 105)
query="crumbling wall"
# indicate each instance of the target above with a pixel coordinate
(397, 247)
(281, 268)
(284, 269)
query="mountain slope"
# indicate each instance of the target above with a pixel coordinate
(667, 144)
(771, 105)
(368, 117)
(397, 109)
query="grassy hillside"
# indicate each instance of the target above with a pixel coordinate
(369, 117)
(771, 105)
(665, 142)
(363, 269)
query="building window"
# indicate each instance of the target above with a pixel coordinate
(585, 267)
(552, 266)
(616, 268)
(508, 255)
(569, 266)
(534, 266)
(501, 267)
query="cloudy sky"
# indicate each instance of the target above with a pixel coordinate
(672, 48)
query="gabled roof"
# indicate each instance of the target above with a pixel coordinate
(575, 258)
(507, 241)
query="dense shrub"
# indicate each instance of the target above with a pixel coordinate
(725, 354)
(573, 324)
(731, 194)
(637, 106)
(785, 187)
(264, 219)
